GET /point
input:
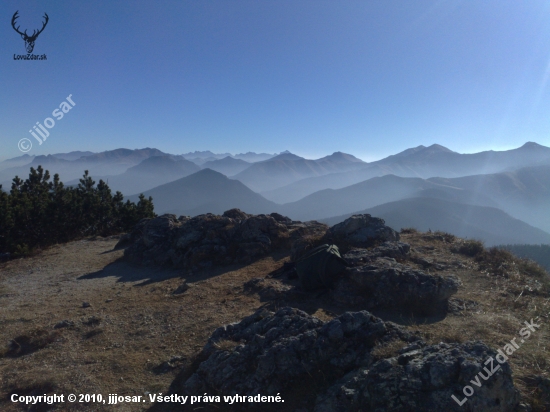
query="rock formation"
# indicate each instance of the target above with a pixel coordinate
(269, 353)
(206, 240)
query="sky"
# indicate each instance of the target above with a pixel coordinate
(369, 77)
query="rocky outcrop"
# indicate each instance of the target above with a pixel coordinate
(205, 240)
(274, 351)
(383, 282)
(361, 231)
(271, 353)
(426, 379)
(389, 249)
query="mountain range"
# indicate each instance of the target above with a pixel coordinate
(492, 225)
(475, 195)
(151, 172)
(287, 168)
(421, 161)
(229, 166)
(206, 191)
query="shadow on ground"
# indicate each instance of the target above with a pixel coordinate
(128, 272)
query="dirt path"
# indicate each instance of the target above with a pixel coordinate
(132, 339)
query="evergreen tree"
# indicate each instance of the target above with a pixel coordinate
(38, 212)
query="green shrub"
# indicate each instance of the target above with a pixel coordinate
(38, 212)
(497, 261)
(470, 247)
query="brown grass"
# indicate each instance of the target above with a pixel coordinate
(135, 324)
(505, 289)
(387, 350)
(226, 345)
(31, 342)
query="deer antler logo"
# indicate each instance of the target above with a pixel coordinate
(29, 40)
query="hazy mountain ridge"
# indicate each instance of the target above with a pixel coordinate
(151, 172)
(229, 166)
(110, 162)
(27, 159)
(287, 168)
(403, 202)
(372, 192)
(107, 163)
(421, 161)
(523, 192)
(491, 225)
(250, 157)
(206, 191)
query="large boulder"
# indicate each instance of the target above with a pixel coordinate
(334, 366)
(384, 283)
(272, 352)
(425, 380)
(389, 249)
(205, 240)
(361, 231)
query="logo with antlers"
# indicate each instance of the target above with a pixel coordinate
(29, 40)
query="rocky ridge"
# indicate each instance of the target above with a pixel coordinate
(278, 353)
(206, 240)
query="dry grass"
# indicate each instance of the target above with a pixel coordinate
(135, 325)
(226, 345)
(509, 291)
(387, 350)
(31, 342)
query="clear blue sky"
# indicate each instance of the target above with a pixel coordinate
(369, 77)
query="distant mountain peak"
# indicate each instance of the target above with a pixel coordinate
(208, 172)
(532, 145)
(47, 159)
(437, 147)
(340, 157)
(286, 155)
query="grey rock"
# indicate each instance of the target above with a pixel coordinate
(306, 236)
(272, 353)
(389, 249)
(124, 240)
(206, 240)
(425, 379)
(386, 283)
(236, 214)
(361, 231)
